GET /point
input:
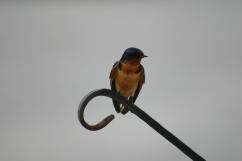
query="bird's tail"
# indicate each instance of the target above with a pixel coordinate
(116, 105)
(124, 109)
(120, 107)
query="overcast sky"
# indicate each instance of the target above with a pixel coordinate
(52, 53)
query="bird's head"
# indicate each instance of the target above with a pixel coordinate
(132, 55)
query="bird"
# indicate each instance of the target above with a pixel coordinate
(127, 77)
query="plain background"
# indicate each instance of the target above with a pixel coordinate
(52, 53)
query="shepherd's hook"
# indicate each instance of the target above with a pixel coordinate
(138, 112)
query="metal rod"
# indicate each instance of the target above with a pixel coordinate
(138, 112)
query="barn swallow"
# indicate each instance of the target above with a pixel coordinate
(127, 77)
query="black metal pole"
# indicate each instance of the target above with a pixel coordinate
(138, 112)
(166, 134)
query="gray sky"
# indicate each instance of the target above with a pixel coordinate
(53, 53)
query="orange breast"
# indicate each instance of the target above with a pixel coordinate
(127, 82)
(131, 66)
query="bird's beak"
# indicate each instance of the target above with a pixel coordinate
(144, 56)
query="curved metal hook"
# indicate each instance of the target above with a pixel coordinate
(106, 120)
(138, 112)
